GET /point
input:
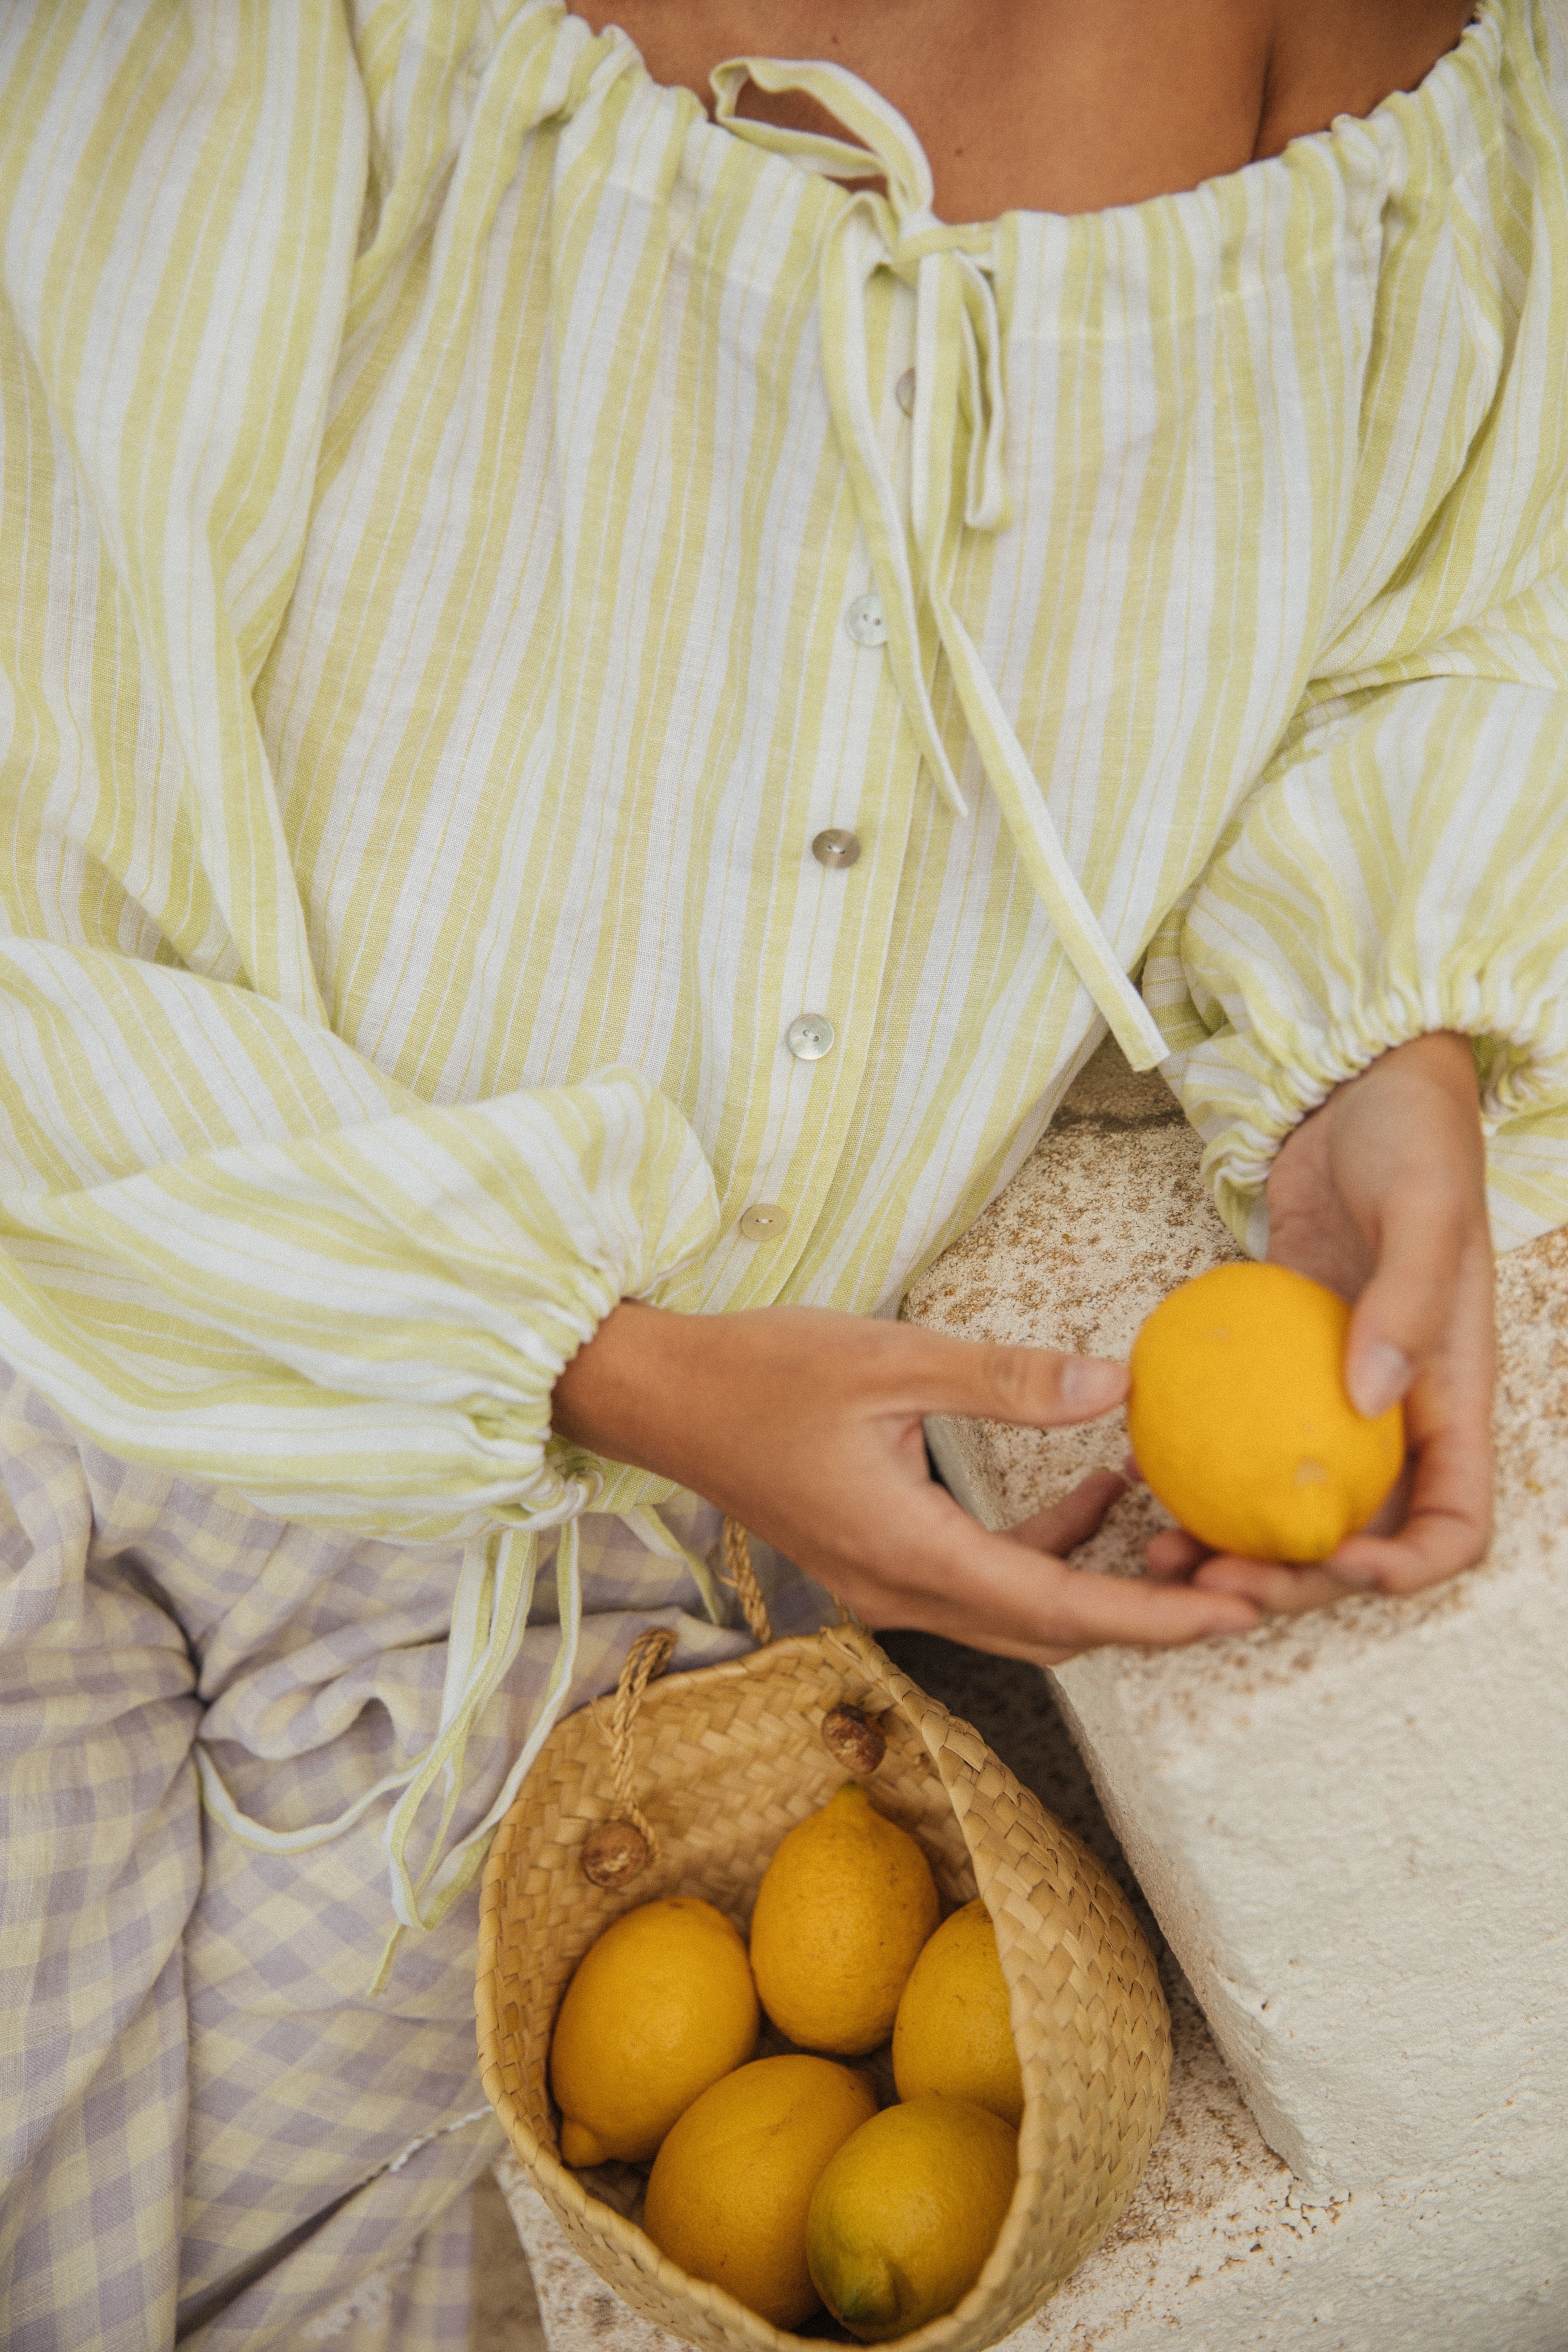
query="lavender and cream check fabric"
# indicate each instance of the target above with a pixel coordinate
(212, 2134)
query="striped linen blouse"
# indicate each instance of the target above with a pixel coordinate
(471, 521)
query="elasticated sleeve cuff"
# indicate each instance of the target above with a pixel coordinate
(1401, 868)
(260, 1264)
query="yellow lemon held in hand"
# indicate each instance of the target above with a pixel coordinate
(729, 2193)
(845, 1906)
(952, 2034)
(661, 2005)
(904, 2216)
(1240, 1422)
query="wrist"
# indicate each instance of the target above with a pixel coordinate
(1443, 1058)
(608, 1398)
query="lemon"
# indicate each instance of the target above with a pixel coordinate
(729, 2193)
(953, 2033)
(904, 2216)
(661, 2006)
(846, 1904)
(1240, 1422)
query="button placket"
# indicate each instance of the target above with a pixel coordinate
(804, 1111)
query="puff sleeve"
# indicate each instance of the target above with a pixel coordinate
(230, 1244)
(1401, 867)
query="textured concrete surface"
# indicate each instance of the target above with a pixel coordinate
(1348, 1827)
(1347, 1823)
(506, 2309)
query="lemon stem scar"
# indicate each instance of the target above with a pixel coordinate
(869, 2299)
(579, 2147)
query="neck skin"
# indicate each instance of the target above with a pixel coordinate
(1050, 106)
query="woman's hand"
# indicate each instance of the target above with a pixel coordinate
(806, 1426)
(1381, 1194)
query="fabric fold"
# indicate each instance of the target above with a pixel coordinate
(356, 1324)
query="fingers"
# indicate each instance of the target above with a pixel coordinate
(1031, 1388)
(1408, 1162)
(1277, 1589)
(994, 1594)
(1447, 1420)
(1402, 1313)
(1095, 1609)
(1174, 1552)
(1073, 1518)
(1447, 1522)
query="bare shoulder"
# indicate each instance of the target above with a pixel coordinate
(1048, 106)
(1341, 57)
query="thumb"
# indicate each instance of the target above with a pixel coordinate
(1033, 1388)
(1406, 1305)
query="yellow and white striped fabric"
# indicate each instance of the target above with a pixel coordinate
(468, 522)
(462, 539)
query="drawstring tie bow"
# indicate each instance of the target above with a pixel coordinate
(960, 404)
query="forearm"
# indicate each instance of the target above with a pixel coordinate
(808, 1427)
(628, 1390)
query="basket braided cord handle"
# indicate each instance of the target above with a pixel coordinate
(649, 1655)
(621, 1848)
(742, 1579)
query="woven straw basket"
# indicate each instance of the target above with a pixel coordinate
(728, 1759)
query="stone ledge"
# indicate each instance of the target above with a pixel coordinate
(1349, 1823)
(1349, 1828)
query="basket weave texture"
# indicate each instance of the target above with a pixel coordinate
(729, 1759)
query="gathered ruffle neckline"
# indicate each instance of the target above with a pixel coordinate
(1350, 138)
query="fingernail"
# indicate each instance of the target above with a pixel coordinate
(1090, 1383)
(1241, 1620)
(1379, 1378)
